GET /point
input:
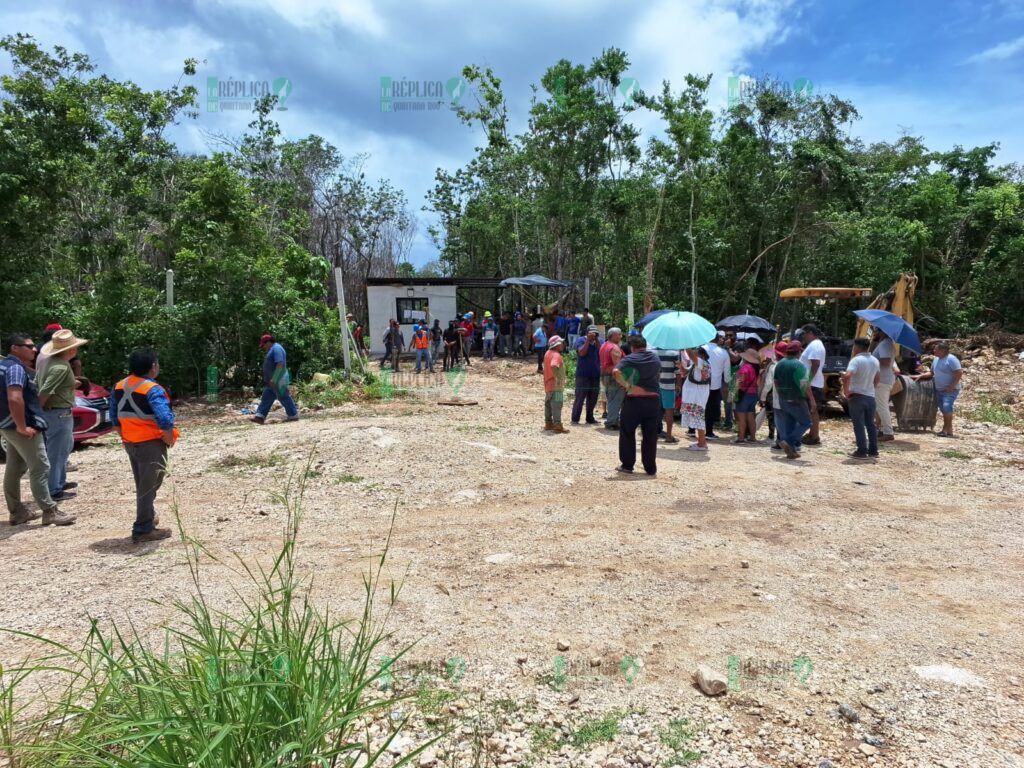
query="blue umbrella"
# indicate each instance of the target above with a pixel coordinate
(679, 330)
(895, 327)
(651, 316)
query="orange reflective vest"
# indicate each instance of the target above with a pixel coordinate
(421, 339)
(138, 422)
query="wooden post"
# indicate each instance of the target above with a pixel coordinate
(629, 305)
(345, 352)
(170, 287)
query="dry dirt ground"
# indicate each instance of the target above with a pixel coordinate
(575, 603)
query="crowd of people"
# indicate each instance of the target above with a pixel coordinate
(730, 383)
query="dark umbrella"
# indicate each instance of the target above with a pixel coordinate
(652, 315)
(895, 327)
(746, 323)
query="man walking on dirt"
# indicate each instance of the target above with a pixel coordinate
(275, 381)
(554, 385)
(22, 425)
(813, 358)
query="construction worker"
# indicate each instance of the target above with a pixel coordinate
(275, 381)
(140, 411)
(421, 343)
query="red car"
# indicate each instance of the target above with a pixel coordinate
(91, 414)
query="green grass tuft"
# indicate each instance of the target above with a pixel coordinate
(598, 730)
(953, 453)
(675, 736)
(271, 681)
(993, 413)
(234, 461)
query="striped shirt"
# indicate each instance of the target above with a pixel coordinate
(667, 376)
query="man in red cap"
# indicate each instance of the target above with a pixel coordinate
(275, 381)
(794, 416)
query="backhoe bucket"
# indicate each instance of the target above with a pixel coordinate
(915, 405)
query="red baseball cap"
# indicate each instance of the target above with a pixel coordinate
(794, 347)
(265, 338)
(54, 327)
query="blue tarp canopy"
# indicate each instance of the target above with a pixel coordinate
(535, 281)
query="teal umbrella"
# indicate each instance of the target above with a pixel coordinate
(679, 330)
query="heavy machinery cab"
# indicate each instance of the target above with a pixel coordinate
(838, 347)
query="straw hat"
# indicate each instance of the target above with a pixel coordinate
(62, 341)
(751, 356)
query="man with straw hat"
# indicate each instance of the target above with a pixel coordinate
(554, 385)
(56, 384)
(22, 424)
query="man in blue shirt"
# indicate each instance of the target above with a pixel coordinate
(275, 381)
(518, 333)
(588, 375)
(22, 425)
(947, 373)
(573, 329)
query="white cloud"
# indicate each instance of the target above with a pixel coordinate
(153, 58)
(357, 15)
(672, 39)
(1000, 52)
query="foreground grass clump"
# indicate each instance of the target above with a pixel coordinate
(273, 682)
(260, 461)
(676, 736)
(993, 413)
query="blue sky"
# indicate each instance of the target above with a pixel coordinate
(951, 71)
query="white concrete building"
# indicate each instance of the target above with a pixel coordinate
(407, 300)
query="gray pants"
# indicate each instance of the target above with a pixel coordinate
(149, 465)
(615, 395)
(26, 454)
(60, 440)
(553, 402)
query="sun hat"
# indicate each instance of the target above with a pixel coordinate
(554, 341)
(751, 356)
(62, 341)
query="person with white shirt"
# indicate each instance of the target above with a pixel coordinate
(813, 358)
(719, 362)
(859, 383)
(885, 352)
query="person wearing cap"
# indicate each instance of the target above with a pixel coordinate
(56, 387)
(452, 344)
(859, 383)
(719, 362)
(554, 385)
(275, 381)
(948, 373)
(468, 330)
(140, 411)
(746, 395)
(421, 343)
(813, 358)
(22, 425)
(793, 416)
(637, 373)
(609, 356)
(588, 375)
(489, 333)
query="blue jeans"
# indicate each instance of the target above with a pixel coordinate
(60, 439)
(435, 351)
(946, 400)
(488, 349)
(792, 420)
(423, 355)
(270, 395)
(862, 412)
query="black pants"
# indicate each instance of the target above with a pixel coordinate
(643, 412)
(587, 390)
(711, 410)
(540, 358)
(149, 464)
(451, 357)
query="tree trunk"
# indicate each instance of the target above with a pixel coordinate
(649, 287)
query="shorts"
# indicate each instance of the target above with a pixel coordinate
(747, 403)
(946, 400)
(819, 396)
(668, 399)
